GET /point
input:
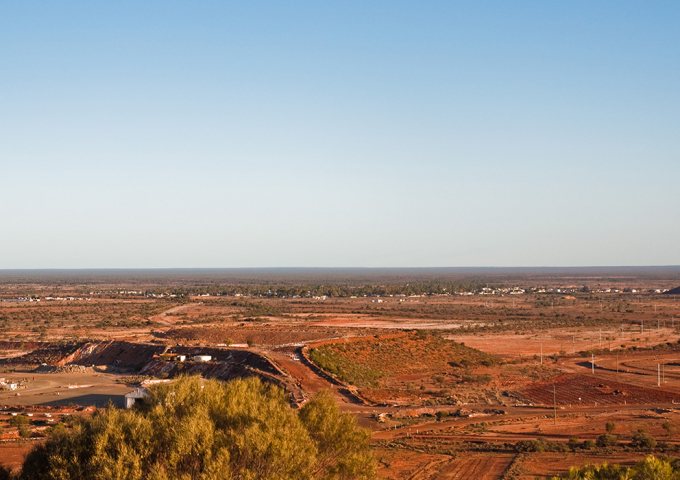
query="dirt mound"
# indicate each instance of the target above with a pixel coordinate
(125, 355)
(587, 390)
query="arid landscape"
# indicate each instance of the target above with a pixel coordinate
(491, 376)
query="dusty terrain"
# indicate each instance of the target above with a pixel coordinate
(453, 386)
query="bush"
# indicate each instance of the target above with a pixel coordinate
(539, 445)
(669, 427)
(607, 440)
(25, 431)
(650, 468)
(470, 377)
(441, 414)
(610, 427)
(643, 440)
(17, 420)
(191, 428)
(56, 429)
(589, 444)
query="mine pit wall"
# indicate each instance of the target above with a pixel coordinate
(125, 355)
(137, 356)
(226, 364)
(145, 358)
(244, 357)
(40, 352)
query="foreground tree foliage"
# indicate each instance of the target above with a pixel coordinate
(651, 468)
(196, 429)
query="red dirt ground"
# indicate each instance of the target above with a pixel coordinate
(587, 390)
(13, 453)
(479, 467)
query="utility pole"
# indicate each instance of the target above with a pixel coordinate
(592, 362)
(600, 338)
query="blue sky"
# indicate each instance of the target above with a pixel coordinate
(363, 134)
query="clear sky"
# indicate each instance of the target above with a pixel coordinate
(349, 134)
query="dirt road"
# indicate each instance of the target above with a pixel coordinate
(160, 318)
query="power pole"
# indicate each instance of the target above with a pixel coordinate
(592, 362)
(658, 375)
(600, 338)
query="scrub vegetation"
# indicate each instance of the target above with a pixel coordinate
(206, 429)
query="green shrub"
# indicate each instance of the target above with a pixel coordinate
(344, 368)
(195, 429)
(650, 468)
(17, 420)
(607, 440)
(643, 440)
(589, 444)
(539, 445)
(25, 431)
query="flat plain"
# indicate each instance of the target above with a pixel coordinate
(510, 375)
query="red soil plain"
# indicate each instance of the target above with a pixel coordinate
(475, 386)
